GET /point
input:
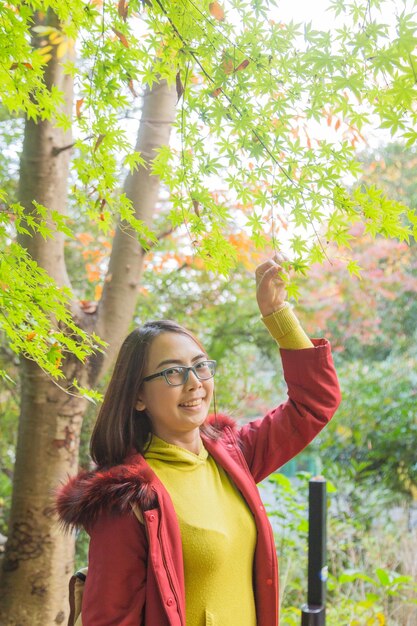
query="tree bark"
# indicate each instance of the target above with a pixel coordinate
(39, 558)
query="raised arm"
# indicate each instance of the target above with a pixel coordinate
(313, 388)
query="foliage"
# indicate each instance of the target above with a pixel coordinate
(375, 315)
(26, 294)
(255, 95)
(9, 407)
(367, 318)
(375, 426)
(391, 167)
(368, 580)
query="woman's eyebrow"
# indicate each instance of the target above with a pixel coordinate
(179, 362)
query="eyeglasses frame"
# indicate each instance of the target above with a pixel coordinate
(183, 367)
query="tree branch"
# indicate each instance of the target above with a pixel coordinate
(120, 289)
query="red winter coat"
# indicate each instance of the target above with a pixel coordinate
(135, 575)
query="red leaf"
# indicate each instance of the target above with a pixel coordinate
(29, 66)
(98, 142)
(121, 37)
(242, 65)
(88, 306)
(122, 9)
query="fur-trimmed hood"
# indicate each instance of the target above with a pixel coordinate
(81, 501)
(84, 497)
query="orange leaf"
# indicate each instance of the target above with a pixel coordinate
(337, 125)
(121, 37)
(216, 11)
(85, 238)
(31, 335)
(93, 273)
(216, 92)
(97, 292)
(242, 65)
(102, 217)
(78, 106)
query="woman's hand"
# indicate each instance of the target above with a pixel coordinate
(270, 285)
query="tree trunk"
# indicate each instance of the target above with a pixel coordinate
(120, 289)
(39, 557)
(36, 550)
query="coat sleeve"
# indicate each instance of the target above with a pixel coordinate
(313, 397)
(114, 592)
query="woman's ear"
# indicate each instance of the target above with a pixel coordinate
(140, 405)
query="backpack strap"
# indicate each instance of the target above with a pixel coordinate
(136, 510)
(76, 588)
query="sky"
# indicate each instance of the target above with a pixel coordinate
(305, 11)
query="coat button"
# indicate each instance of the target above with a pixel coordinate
(269, 581)
(229, 445)
(152, 518)
(170, 601)
(261, 508)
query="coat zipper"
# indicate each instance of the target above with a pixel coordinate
(164, 559)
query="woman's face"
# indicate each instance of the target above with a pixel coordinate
(174, 411)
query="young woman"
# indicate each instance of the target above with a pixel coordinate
(202, 551)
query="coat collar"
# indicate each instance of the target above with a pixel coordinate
(86, 496)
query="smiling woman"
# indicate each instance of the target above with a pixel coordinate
(203, 551)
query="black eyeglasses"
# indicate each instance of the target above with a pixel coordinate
(178, 375)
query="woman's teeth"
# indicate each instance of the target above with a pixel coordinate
(192, 403)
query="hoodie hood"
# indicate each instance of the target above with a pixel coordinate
(81, 501)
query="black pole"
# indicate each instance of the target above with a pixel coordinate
(314, 612)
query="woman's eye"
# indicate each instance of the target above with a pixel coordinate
(201, 365)
(174, 370)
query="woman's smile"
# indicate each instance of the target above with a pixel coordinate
(189, 404)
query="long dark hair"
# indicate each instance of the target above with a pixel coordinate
(120, 427)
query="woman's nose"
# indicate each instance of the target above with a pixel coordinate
(193, 380)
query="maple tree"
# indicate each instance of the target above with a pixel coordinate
(260, 89)
(245, 158)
